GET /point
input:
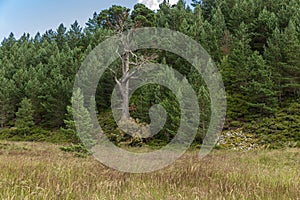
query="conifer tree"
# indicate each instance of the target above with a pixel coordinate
(7, 88)
(92, 24)
(282, 53)
(24, 116)
(84, 124)
(69, 127)
(60, 36)
(142, 16)
(204, 105)
(263, 28)
(74, 35)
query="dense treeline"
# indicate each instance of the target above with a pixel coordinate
(254, 43)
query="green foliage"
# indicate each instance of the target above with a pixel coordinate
(113, 18)
(254, 43)
(79, 150)
(281, 130)
(85, 129)
(109, 127)
(142, 16)
(7, 88)
(283, 54)
(70, 129)
(25, 114)
(34, 134)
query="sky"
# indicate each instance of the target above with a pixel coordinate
(32, 16)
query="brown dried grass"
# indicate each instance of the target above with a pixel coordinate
(42, 171)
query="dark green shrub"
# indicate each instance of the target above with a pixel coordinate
(36, 134)
(281, 129)
(79, 150)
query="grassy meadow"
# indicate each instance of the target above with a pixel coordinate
(43, 171)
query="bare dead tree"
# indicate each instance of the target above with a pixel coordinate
(130, 62)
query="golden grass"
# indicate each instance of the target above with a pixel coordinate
(42, 171)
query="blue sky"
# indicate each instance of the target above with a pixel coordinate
(32, 16)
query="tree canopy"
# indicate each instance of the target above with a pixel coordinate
(255, 44)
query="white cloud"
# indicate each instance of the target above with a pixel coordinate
(173, 2)
(154, 4)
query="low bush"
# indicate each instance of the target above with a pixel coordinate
(79, 150)
(34, 134)
(280, 130)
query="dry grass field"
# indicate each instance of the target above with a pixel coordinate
(43, 171)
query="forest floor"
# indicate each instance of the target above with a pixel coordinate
(43, 171)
